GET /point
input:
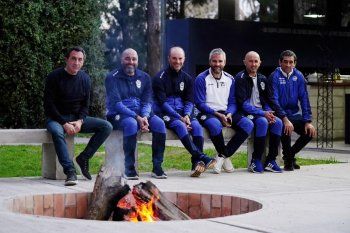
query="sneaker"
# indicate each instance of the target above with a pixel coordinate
(227, 165)
(218, 165)
(71, 179)
(131, 175)
(198, 169)
(255, 166)
(159, 174)
(209, 162)
(272, 166)
(288, 166)
(84, 166)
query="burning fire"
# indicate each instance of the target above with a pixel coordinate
(140, 209)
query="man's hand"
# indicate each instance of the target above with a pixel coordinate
(143, 122)
(77, 125)
(288, 126)
(269, 115)
(187, 121)
(223, 119)
(69, 128)
(310, 130)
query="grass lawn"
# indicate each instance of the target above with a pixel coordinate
(25, 160)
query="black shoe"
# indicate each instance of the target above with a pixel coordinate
(130, 175)
(288, 166)
(84, 166)
(295, 165)
(158, 173)
(71, 179)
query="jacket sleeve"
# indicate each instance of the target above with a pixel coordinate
(200, 96)
(273, 97)
(304, 100)
(188, 97)
(146, 98)
(84, 109)
(231, 103)
(114, 97)
(49, 101)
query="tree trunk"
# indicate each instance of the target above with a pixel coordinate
(153, 37)
(107, 188)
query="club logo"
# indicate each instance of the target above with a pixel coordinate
(117, 117)
(295, 78)
(203, 117)
(262, 84)
(166, 118)
(182, 86)
(138, 84)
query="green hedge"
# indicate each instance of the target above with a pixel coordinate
(34, 36)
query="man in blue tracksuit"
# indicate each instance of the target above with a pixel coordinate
(252, 98)
(129, 97)
(214, 96)
(288, 90)
(173, 95)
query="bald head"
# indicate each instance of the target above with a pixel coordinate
(252, 63)
(176, 58)
(129, 61)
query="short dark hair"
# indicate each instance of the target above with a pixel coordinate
(75, 48)
(288, 53)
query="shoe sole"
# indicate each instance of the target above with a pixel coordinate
(79, 169)
(71, 183)
(130, 178)
(158, 177)
(271, 170)
(199, 169)
(253, 171)
(228, 171)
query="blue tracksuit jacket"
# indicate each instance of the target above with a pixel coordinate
(173, 93)
(287, 92)
(128, 96)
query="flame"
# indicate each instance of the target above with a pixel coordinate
(143, 212)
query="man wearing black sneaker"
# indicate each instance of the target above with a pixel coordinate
(173, 101)
(129, 97)
(66, 103)
(289, 91)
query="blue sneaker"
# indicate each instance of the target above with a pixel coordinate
(255, 166)
(272, 166)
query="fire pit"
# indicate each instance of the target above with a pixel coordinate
(76, 205)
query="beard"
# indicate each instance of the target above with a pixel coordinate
(129, 70)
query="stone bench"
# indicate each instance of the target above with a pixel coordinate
(115, 152)
(50, 167)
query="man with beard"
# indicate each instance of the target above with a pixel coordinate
(66, 104)
(290, 97)
(173, 92)
(129, 97)
(253, 100)
(214, 96)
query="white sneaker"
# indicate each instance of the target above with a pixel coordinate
(218, 165)
(227, 165)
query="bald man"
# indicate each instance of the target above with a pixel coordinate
(129, 97)
(253, 100)
(173, 102)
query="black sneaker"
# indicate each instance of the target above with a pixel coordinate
(131, 175)
(288, 166)
(71, 179)
(295, 165)
(84, 166)
(159, 174)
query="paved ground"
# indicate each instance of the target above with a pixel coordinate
(313, 199)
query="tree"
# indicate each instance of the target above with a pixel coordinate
(34, 36)
(153, 37)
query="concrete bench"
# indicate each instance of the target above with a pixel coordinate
(50, 167)
(115, 152)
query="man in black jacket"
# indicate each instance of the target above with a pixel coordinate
(66, 103)
(253, 100)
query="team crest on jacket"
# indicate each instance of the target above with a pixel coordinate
(166, 118)
(182, 86)
(203, 117)
(117, 117)
(262, 84)
(138, 84)
(295, 78)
